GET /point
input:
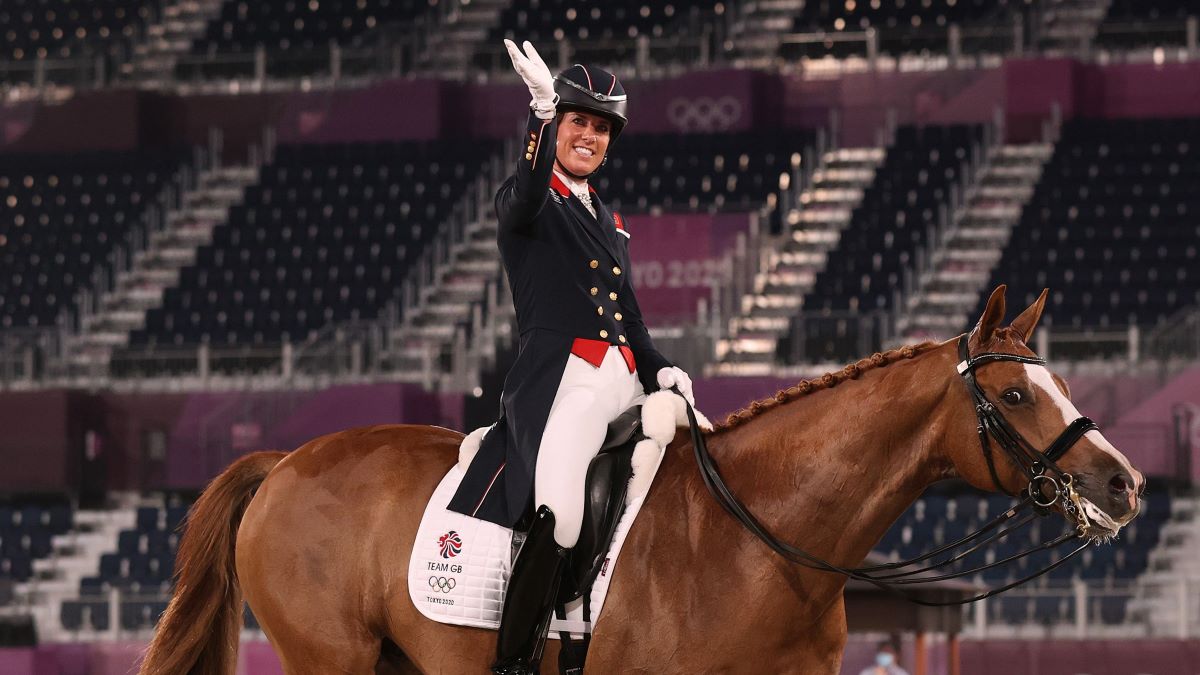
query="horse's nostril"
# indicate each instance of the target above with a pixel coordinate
(1118, 484)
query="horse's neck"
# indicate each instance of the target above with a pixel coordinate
(830, 471)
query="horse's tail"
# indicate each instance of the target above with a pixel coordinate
(198, 634)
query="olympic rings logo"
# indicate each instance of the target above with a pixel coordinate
(441, 584)
(704, 113)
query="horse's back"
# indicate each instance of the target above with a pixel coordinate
(336, 518)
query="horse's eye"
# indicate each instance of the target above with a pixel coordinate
(1012, 397)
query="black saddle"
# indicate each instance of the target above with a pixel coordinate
(604, 503)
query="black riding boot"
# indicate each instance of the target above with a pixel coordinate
(529, 601)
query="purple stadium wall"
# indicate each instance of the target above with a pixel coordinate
(45, 447)
(729, 100)
(677, 258)
(1146, 432)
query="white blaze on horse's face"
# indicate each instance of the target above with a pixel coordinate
(1040, 377)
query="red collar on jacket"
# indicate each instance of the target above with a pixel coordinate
(561, 188)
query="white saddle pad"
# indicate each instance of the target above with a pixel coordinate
(460, 565)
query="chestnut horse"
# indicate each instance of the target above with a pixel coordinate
(318, 540)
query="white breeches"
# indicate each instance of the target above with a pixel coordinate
(588, 399)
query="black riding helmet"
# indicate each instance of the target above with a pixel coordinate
(592, 90)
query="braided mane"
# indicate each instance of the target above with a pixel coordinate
(826, 381)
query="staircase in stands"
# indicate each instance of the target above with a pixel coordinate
(791, 266)
(1069, 26)
(1165, 596)
(76, 555)
(172, 35)
(457, 301)
(962, 265)
(154, 269)
(464, 27)
(757, 32)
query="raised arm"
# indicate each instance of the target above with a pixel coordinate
(523, 195)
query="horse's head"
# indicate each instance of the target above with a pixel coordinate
(1025, 411)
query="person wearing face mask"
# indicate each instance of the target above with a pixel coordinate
(885, 661)
(584, 356)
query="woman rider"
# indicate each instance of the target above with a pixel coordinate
(584, 353)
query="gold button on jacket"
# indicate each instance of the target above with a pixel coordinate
(617, 271)
(597, 290)
(603, 333)
(611, 296)
(617, 316)
(594, 264)
(621, 338)
(600, 311)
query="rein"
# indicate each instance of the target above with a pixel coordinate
(1038, 466)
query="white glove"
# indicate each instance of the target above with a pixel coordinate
(672, 376)
(533, 70)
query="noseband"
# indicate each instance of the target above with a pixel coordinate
(1038, 465)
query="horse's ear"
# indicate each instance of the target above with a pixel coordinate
(993, 315)
(1025, 323)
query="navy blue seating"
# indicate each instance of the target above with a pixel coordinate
(64, 216)
(1107, 609)
(902, 28)
(142, 569)
(1143, 24)
(147, 518)
(175, 517)
(704, 172)
(326, 236)
(604, 32)
(91, 586)
(1012, 610)
(141, 614)
(915, 533)
(295, 35)
(27, 529)
(877, 249)
(85, 614)
(60, 29)
(1112, 227)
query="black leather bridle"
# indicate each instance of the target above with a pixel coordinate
(1038, 465)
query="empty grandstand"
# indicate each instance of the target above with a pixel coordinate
(228, 226)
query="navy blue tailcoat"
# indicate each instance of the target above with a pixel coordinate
(570, 278)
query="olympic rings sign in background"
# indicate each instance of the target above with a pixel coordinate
(704, 113)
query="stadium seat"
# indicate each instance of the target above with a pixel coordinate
(295, 35)
(879, 246)
(1100, 566)
(1111, 228)
(1145, 24)
(603, 33)
(902, 28)
(147, 518)
(64, 216)
(326, 236)
(85, 615)
(699, 172)
(60, 29)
